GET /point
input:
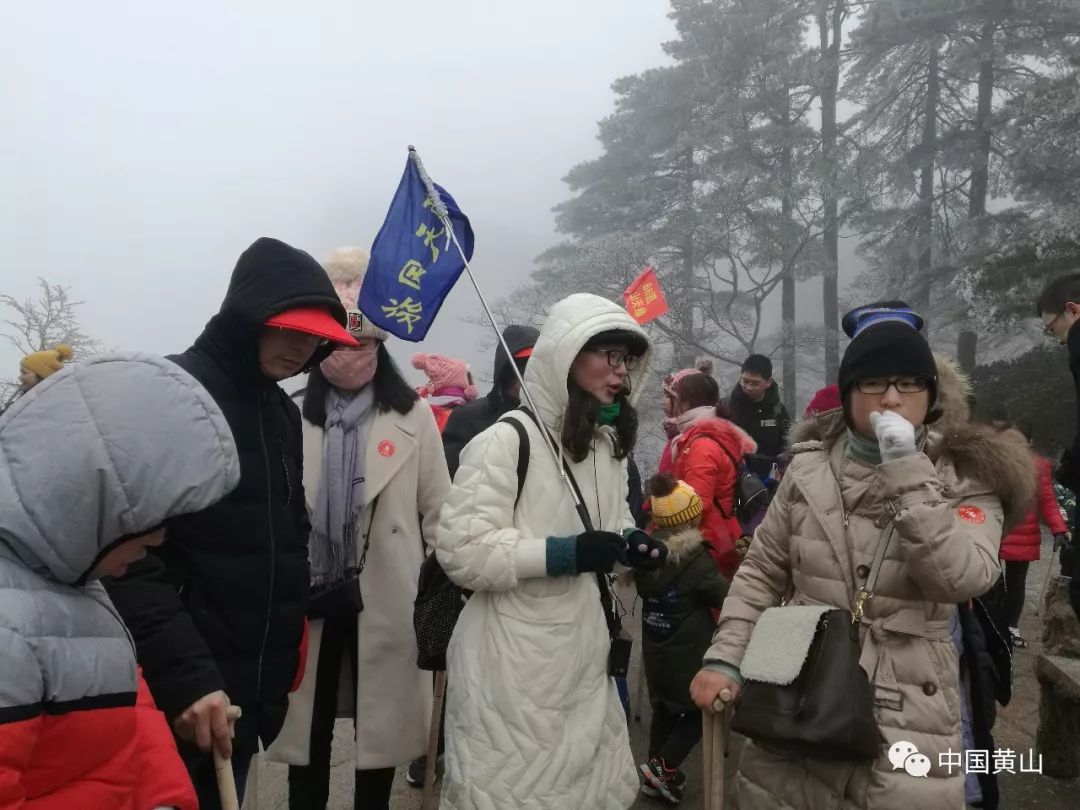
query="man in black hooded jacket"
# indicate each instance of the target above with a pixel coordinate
(473, 418)
(217, 613)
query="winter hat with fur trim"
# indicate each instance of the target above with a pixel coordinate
(674, 503)
(445, 373)
(48, 361)
(346, 268)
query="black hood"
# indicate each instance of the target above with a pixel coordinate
(517, 337)
(269, 277)
(772, 397)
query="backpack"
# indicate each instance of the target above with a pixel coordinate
(439, 601)
(751, 494)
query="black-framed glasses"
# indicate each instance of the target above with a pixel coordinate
(905, 385)
(619, 357)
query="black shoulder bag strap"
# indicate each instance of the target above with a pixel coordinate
(524, 446)
(614, 624)
(734, 463)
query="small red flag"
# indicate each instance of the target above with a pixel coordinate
(643, 298)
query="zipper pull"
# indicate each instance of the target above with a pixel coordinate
(847, 519)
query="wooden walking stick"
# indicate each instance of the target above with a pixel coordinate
(428, 802)
(226, 781)
(707, 721)
(713, 744)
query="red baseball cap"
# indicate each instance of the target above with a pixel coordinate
(313, 321)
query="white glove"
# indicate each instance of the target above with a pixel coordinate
(895, 435)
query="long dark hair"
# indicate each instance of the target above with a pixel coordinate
(582, 417)
(392, 393)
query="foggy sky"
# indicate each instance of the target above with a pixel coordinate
(144, 146)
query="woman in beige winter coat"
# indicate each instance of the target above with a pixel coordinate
(856, 472)
(375, 479)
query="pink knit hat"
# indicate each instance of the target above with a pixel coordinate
(444, 373)
(703, 366)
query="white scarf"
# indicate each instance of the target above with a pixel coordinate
(687, 420)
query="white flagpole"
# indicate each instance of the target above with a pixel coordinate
(440, 211)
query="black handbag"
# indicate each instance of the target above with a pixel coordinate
(438, 604)
(342, 595)
(805, 694)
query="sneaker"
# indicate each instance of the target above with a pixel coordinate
(662, 781)
(1018, 640)
(417, 770)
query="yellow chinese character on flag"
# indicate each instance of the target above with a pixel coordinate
(650, 293)
(407, 312)
(429, 236)
(410, 274)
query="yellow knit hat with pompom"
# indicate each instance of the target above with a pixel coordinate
(674, 503)
(48, 361)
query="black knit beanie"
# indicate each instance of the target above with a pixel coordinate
(886, 341)
(634, 343)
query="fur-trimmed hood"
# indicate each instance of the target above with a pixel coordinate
(1002, 461)
(681, 544)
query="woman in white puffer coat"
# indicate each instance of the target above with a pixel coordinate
(533, 720)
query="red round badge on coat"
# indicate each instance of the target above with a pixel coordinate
(972, 514)
(386, 448)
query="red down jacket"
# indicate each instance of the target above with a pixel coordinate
(110, 757)
(1023, 542)
(703, 457)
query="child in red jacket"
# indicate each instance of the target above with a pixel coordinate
(1022, 545)
(92, 462)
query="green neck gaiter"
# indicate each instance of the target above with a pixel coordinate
(609, 413)
(863, 449)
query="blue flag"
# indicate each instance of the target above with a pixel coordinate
(412, 267)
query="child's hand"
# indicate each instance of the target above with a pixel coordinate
(644, 553)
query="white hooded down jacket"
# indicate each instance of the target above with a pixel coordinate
(533, 721)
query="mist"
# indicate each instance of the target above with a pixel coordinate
(145, 146)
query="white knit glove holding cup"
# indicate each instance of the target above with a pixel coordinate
(895, 435)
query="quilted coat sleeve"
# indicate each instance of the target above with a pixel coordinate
(952, 550)
(434, 480)
(21, 690)
(760, 583)
(163, 780)
(478, 546)
(1048, 505)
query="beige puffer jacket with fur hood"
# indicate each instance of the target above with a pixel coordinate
(949, 506)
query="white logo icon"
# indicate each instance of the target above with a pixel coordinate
(899, 752)
(906, 756)
(917, 765)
